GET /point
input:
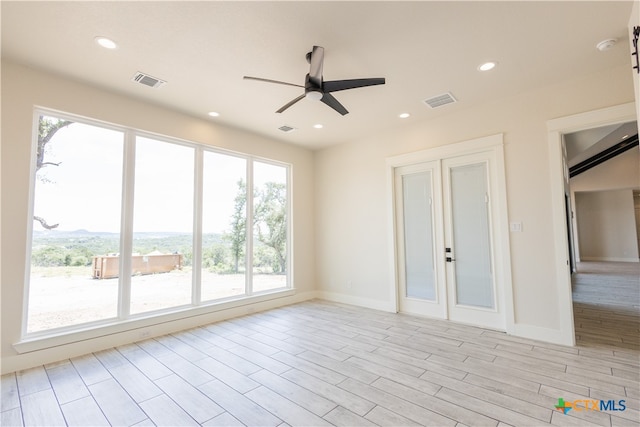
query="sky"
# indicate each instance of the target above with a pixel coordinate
(84, 190)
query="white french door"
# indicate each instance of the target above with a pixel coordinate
(419, 220)
(468, 228)
(446, 240)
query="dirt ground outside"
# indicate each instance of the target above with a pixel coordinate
(64, 296)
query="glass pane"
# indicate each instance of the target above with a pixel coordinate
(162, 226)
(472, 244)
(77, 206)
(224, 220)
(269, 226)
(418, 236)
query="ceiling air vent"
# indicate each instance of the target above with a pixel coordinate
(286, 129)
(147, 80)
(440, 100)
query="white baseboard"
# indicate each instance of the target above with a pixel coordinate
(387, 306)
(608, 259)
(32, 354)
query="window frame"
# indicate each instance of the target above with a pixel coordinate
(124, 320)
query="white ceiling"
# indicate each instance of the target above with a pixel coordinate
(423, 49)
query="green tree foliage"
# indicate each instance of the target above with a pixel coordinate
(270, 226)
(49, 256)
(237, 236)
(215, 258)
(271, 221)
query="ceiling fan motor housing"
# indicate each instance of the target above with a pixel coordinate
(311, 91)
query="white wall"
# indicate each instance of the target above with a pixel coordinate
(353, 241)
(24, 88)
(622, 171)
(606, 225)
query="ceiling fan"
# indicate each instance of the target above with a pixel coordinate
(316, 88)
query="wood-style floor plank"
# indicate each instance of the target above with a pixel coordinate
(9, 393)
(290, 390)
(11, 417)
(396, 404)
(41, 409)
(347, 400)
(119, 408)
(90, 369)
(165, 412)
(66, 382)
(285, 409)
(32, 381)
(342, 417)
(190, 399)
(238, 405)
(442, 407)
(84, 412)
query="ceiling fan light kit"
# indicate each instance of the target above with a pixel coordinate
(315, 88)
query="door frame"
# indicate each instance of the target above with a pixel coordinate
(502, 253)
(556, 128)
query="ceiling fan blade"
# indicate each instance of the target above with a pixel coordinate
(290, 103)
(271, 81)
(333, 103)
(315, 70)
(336, 85)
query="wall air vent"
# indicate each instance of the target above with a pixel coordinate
(287, 129)
(147, 80)
(440, 100)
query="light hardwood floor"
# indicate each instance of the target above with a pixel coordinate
(606, 301)
(320, 363)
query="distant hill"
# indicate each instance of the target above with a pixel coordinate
(55, 234)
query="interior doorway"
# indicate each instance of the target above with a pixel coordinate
(562, 209)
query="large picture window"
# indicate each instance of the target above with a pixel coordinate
(126, 224)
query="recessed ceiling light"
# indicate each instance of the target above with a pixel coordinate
(105, 42)
(625, 137)
(404, 115)
(214, 114)
(318, 126)
(487, 66)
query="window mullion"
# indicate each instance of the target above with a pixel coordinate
(249, 231)
(196, 259)
(289, 228)
(126, 225)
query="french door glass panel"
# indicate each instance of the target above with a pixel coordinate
(76, 214)
(471, 235)
(224, 222)
(418, 236)
(269, 270)
(163, 213)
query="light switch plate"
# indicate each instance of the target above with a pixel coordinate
(515, 227)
